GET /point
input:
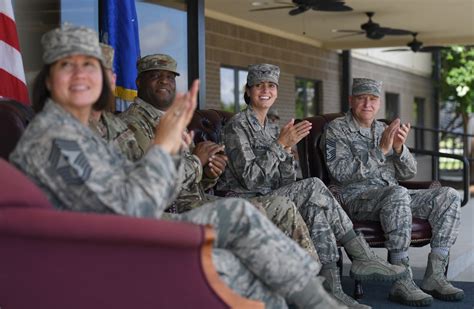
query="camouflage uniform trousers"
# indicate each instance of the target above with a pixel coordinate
(281, 211)
(268, 266)
(394, 207)
(327, 222)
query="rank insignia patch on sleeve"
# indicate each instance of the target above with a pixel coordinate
(330, 150)
(69, 161)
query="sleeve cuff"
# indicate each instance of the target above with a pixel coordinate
(403, 156)
(159, 157)
(197, 168)
(281, 153)
(379, 155)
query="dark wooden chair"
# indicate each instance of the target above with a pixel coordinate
(313, 165)
(14, 117)
(207, 124)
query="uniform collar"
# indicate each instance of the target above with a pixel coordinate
(53, 108)
(150, 109)
(253, 120)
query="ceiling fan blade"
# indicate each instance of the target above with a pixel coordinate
(428, 49)
(397, 50)
(347, 31)
(298, 10)
(348, 35)
(392, 31)
(272, 8)
(332, 7)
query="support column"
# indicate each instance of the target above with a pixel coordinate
(346, 79)
(197, 48)
(435, 108)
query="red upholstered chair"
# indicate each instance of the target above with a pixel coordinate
(62, 259)
(14, 117)
(313, 165)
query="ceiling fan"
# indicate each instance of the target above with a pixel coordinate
(373, 30)
(301, 6)
(415, 46)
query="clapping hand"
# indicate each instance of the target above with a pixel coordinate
(388, 135)
(400, 137)
(292, 133)
(174, 122)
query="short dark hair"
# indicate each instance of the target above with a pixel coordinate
(41, 92)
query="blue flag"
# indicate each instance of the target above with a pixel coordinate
(119, 28)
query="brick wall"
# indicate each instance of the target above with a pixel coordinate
(232, 45)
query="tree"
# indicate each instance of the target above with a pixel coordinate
(457, 81)
(457, 88)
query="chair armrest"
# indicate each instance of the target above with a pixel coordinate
(77, 260)
(420, 184)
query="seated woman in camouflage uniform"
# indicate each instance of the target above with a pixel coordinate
(203, 163)
(261, 163)
(78, 171)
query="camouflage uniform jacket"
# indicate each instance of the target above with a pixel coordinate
(79, 171)
(258, 164)
(142, 119)
(356, 162)
(115, 131)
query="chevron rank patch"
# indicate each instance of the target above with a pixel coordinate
(69, 161)
(330, 150)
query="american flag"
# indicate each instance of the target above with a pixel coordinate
(12, 74)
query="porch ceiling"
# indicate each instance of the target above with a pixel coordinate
(438, 22)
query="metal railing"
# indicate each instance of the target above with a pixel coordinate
(465, 168)
(449, 142)
(451, 155)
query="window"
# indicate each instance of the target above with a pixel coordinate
(418, 113)
(308, 96)
(163, 30)
(233, 81)
(392, 105)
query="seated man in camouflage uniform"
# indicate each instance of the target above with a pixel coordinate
(106, 124)
(203, 163)
(367, 158)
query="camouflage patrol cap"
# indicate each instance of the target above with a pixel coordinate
(366, 86)
(108, 54)
(262, 72)
(69, 40)
(157, 62)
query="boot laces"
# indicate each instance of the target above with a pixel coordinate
(409, 283)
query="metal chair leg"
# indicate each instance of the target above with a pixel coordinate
(358, 291)
(340, 262)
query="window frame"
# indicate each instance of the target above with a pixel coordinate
(317, 99)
